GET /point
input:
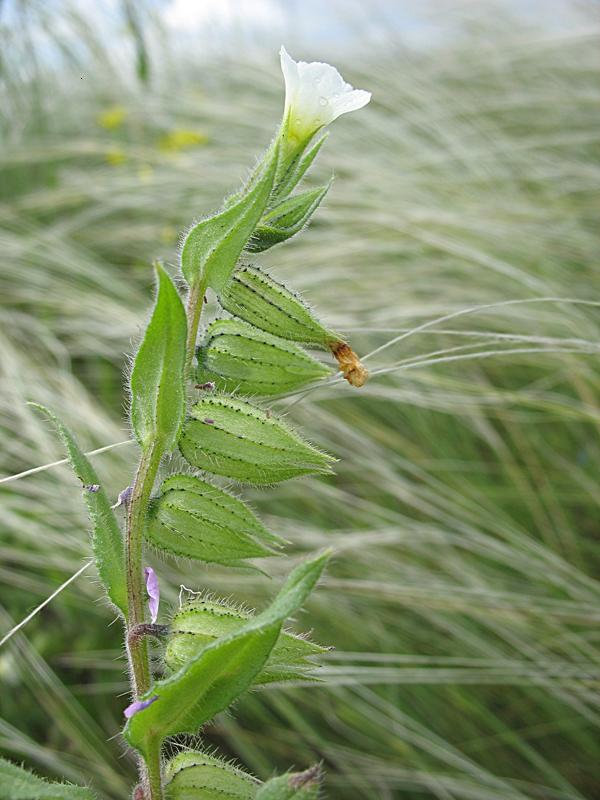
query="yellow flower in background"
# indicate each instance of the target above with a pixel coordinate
(115, 156)
(112, 118)
(181, 139)
(315, 95)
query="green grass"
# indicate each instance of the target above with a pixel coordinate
(459, 242)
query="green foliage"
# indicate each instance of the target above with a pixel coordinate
(222, 671)
(157, 378)
(213, 246)
(286, 219)
(230, 437)
(195, 519)
(199, 776)
(254, 296)
(107, 541)
(240, 358)
(17, 783)
(215, 651)
(202, 620)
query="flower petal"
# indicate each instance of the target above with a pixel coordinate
(290, 75)
(351, 101)
(153, 590)
(315, 95)
(138, 705)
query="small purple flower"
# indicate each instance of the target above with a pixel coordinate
(138, 705)
(93, 487)
(124, 497)
(153, 590)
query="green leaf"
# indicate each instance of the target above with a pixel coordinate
(107, 541)
(195, 519)
(293, 786)
(222, 671)
(157, 378)
(237, 357)
(213, 246)
(229, 437)
(286, 219)
(204, 619)
(192, 775)
(17, 783)
(259, 299)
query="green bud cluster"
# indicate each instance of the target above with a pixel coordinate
(254, 296)
(214, 650)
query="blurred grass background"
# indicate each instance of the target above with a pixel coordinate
(460, 243)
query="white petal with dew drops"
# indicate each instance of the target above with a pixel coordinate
(316, 94)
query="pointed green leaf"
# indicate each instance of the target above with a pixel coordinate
(194, 519)
(17, 783)
(228, 437)
(213, 246)
(287, 219)
(257, 298)
(204, 619)
(222, 671)
(237, 357)
(293, 786)
(199, 776)
(157, 378)
(107, 541)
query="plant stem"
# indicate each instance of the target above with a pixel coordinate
(137, 646)
(194, 310)
(136, 510)
(153, 770)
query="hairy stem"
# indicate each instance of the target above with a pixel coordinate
(153, 770)
(137, 645)
(150, 769)
(195, 302)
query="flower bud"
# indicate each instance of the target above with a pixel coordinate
(286, 219)
(293, 786)
(195, 519)
(192, 775)
(204, 619)
(236, 356)
(228, 437)
(257, 298)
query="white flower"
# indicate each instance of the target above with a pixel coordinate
(315, 95)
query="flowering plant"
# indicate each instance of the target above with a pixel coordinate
(212, 650)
